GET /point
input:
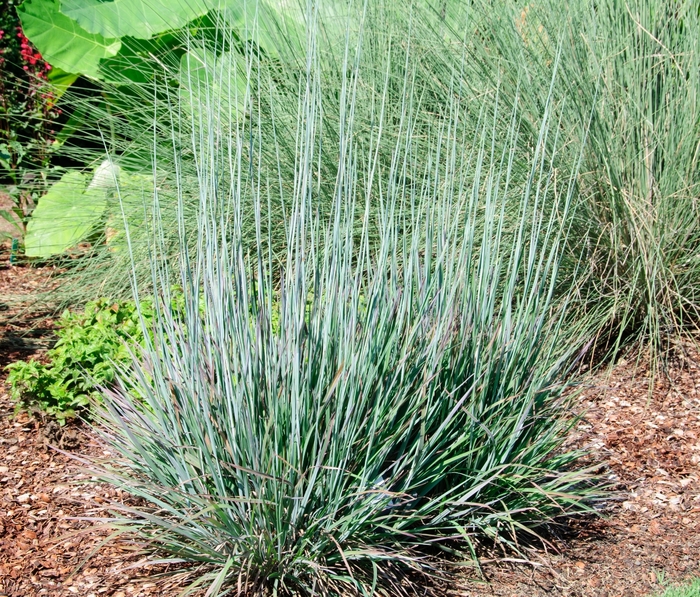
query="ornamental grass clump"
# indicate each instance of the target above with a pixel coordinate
(374, 399)
(631, 70)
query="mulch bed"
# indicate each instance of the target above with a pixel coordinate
(650, 534)
(45, 549)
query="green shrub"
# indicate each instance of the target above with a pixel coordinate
(83, 359)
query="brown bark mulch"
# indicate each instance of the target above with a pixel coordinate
(45, 548)
(650, 441)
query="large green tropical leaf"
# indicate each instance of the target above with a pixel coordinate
(136, 18)
(64, 216)
(280, 26)
(60, 81)
(135, 61)
(130, 211)
(201, 81)
(62, 41)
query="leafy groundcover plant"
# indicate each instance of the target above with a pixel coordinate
(83, 359)
(384, 394)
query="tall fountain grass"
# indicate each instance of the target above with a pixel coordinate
(349, 409)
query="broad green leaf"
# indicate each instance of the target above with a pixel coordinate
(62, 41)
(136, 18)
(135, 191)
(64, 216)
(280, 27)
(61, 80)
(206, 78)
(135, 61)
(277, 26)
(253, 21)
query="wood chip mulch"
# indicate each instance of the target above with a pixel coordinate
(649, 536)
(45, 549)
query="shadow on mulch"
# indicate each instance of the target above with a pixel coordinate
(25, 326)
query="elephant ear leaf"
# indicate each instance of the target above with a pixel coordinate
(64, 216)
(62, 41)
(200, 75)
(141, 19)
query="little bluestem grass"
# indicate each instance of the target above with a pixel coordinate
(381, 392)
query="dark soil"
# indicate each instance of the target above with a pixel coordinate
(650, 442)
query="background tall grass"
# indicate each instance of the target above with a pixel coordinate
(631, 70)
(372, 382)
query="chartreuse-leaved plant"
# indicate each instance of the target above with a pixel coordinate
(89, 344)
